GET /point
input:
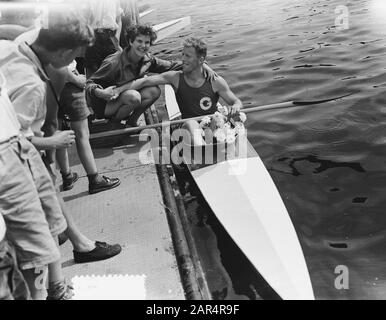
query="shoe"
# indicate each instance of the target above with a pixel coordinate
(60, 291)
(102, 251)
(102, 184)
(63, 237)
(69, 180)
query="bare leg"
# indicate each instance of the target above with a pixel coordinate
(62, 157)
(123, 106)
(148, 96)
(195, 131)
(36, 282)
(83, 146)
(86, 156)
(79, 241)
(57, 286)
(55, 273)
(63, 162)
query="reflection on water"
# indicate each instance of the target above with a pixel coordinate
(323, 164)
(328, 161)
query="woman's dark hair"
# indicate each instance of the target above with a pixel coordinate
(140, 29)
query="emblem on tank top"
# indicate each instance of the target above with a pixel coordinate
(205, 103)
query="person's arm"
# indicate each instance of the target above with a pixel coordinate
(51, 123)
(60, 140)
(158, 65)
(170, 77)
(105, 94)
(209, 73)
(77, 79)
(105, 74)
(54, 88)
(221, 87)
(27, 106)
(11, 31)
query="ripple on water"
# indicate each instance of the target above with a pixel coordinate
(322, 126)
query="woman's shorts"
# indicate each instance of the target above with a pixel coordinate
(97, 105)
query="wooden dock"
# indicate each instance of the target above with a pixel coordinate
(132, 215)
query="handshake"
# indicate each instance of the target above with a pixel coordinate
(113, 92)
(108, 94)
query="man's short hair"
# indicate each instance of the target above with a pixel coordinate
(198, 44)
(140, 29)
(65, 30)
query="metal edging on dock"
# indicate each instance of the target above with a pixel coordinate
(196, 261)
(192, 275)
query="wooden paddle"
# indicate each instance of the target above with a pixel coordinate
(281, 105)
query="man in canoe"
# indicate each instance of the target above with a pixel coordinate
(122, 67)
(196, 96)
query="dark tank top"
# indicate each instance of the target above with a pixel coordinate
(194, 102)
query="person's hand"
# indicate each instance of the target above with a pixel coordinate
(106, 94)
(63, 139)
(234, 109)
(116, 93)
(209, 74)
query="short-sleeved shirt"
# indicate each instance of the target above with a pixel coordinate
(118, 69)
(26, 85)
(9, 125)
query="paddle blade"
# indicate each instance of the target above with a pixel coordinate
(306, 103)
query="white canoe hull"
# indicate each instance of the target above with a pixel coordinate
(168, 28)
(245, 200)
(148, 16)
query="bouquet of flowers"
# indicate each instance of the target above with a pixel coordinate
(225, 127)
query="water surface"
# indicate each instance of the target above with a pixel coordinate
(328, 161)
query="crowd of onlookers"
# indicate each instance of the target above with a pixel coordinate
(49, 79)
